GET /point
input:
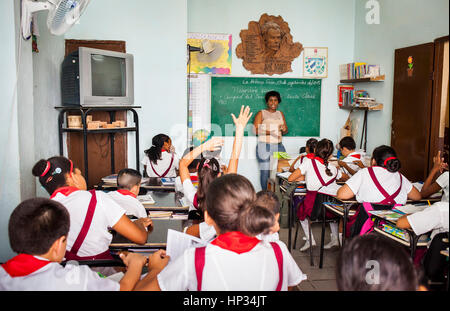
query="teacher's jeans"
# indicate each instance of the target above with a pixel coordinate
(263, 152)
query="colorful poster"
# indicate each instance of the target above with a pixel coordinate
(315, 62)
(217, 60)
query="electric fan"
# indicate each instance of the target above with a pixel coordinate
(61, 16)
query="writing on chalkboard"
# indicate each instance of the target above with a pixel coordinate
(300, 101)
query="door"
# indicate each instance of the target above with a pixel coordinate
(411, 112)
(98, 145)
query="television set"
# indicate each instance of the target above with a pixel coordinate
(94, 77)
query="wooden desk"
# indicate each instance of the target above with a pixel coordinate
(153, 184)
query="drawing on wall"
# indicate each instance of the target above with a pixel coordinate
(315, 62)
(218, 61)
(267, 46)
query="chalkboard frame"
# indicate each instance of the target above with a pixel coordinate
(307, 124)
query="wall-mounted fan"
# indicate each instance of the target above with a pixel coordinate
(61, 16)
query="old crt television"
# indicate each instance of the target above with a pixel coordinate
(93, 77)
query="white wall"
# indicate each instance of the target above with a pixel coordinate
(321, 23)
(403, 23)
(155, 33)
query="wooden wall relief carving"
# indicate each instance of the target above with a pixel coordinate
(267, 46)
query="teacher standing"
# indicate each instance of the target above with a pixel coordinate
(270, 126)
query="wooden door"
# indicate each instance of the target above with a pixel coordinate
(98, 145)
(411, 113)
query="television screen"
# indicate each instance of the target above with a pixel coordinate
(108, 75)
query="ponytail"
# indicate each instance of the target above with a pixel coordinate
(386, 157)
(324, 149)
(208, 170)
(154, 152)
(52, 172)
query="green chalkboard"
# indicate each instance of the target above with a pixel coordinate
(300, 102)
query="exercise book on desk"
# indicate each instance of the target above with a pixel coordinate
(146, 199)
(168, 181)
(178, 242)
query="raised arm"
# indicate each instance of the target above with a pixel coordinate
(211, 145)
(430, 186)
(240, 123)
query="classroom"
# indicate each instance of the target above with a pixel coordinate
(403, 102)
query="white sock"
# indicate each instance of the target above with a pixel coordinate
(305, 226)
(340, 238)
(334, 226)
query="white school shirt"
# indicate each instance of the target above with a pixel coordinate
(365, 190)
(313, 182)
(433, 218)
(162, 165)
(208, 233)
(54, 277)
(189, 191)
(107, 214)
(350, 159)
(227, 270)
(443, 182)
(129, 203)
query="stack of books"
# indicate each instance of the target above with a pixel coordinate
(345, 95)
(358, 71)
(160, 214)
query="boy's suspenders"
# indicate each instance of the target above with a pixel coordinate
(200, 264)
(72, 254)
(165, 173)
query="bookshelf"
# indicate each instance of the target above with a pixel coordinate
(370, 79)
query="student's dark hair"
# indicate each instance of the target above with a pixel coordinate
(227, 197)
(193, 165)
(256, 219)
(347, 142)
(154, 152)
(311, 144)
(386, 157)
(323, 150)
(302, 149)
(208, 170)
(389, 264)
(35, 224)
(52, 172)
(269, 200)
(272, 93)
(127, 178)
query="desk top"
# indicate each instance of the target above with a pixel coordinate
(166, 201)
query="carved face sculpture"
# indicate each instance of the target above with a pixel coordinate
(272, 39)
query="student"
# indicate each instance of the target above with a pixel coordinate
(375, 263)
(92, 213)
(321, 187)
(209, 169)
(38, 230)
(269, 200)
(160, 159)
(433, 184)
(309, 153)
(192, 167)
(234, 260)
(352, 161)
(378, 187)
(128, 185)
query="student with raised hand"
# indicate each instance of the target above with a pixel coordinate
(320, 178)
(379, 187)
(437, 179)
(160, 159)
(38, 229)
(209, 169)
(375, 263)
(128, 186)
(235, 260)
(92, 213)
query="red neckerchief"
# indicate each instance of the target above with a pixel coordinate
(358, 156)
(64, 190)
(236, 241)
(319, 159)
(310, 155)
(194, 178)
(164, 150)
(23, 264)
(126, 192)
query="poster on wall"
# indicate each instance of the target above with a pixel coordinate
(217, 61)
(315, 62)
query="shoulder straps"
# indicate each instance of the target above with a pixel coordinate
(316, 169)
(165, 173)
(388, 198)
(199, 261)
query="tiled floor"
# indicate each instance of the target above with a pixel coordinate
(318, 279)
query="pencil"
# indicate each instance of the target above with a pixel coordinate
(429, 202)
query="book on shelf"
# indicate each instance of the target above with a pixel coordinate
(341, 89)
(358, 70)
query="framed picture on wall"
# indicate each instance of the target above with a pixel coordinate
(315, 62)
